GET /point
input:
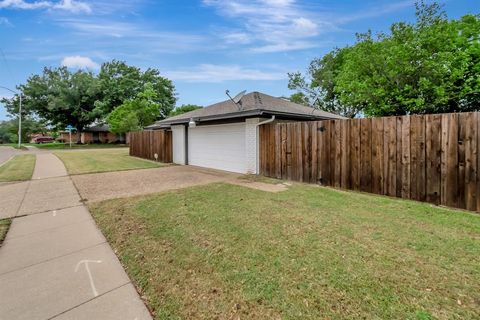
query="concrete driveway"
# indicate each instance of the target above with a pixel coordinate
(55, 263)
(119, 184)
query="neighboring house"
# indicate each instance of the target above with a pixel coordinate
(40, 138)
(63, 136)
(94, 134)
(225, 135)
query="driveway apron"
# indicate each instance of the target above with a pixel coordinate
(54, 262)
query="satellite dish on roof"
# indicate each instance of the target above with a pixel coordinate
(239, 96)
(237, 99)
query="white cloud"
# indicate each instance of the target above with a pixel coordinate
(21, 4)
(375, 11)
(285, 46)
(111, 28)
(285, 25)
(220, 73)
(79, 62)
(276, 25)
(4, 21)
(73, 6)
(279, 3)
(237, 38)
(304, 27)
(104, 35)
(64, 5)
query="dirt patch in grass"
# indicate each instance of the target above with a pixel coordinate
(223, 251)
(261, 183)
(4, 226)
(259, 178)
(102, 160)
(19, 168)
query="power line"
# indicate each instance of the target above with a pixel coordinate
(7, 66)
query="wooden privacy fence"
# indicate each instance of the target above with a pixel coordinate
(431, 158)
(145, 144)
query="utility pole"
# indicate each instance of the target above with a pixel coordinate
(19, 115)
(20, 122)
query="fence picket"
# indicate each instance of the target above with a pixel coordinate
(431, 158)
(144, 144)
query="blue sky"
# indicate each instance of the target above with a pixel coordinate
(204, 46)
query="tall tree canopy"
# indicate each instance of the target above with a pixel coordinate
(183, 109)
(136, 114)
(60, 96)
(79, 98)
(430, 66)
(120, 82)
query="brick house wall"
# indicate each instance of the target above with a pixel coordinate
(103, 137)
(251, 144)
(65, 137)
(88, 137)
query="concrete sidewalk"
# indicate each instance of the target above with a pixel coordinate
(11, 197)
(48, 166)
(55, 263)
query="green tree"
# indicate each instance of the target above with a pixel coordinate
(120, 82)
(6, 135)
(59, 96)
(137, 113)
(430, 66)
(79, 98)
(300, 98)
(320, 90)
(183, 109)
(9, 129)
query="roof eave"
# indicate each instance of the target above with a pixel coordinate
(241, 114)
(297, 115)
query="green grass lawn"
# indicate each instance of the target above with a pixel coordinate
(18, 169)
(90, 161)
(4, 226)
(225, 252)
(14, 145)
(66, 146)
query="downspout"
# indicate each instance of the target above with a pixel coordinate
(257, 160)
(266, 121)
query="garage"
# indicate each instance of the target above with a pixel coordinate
(218, 146)
(225, 135)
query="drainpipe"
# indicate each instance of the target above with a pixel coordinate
(257, 161)
(266, 121)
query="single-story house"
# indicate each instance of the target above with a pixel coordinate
(40, 138)
(99, 133)
(225, 135)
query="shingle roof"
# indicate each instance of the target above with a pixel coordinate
(97, 128)
(252, 104)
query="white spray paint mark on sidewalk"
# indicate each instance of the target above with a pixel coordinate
(86, 262)
(54, 213)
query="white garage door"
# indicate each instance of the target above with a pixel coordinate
(218, 147)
